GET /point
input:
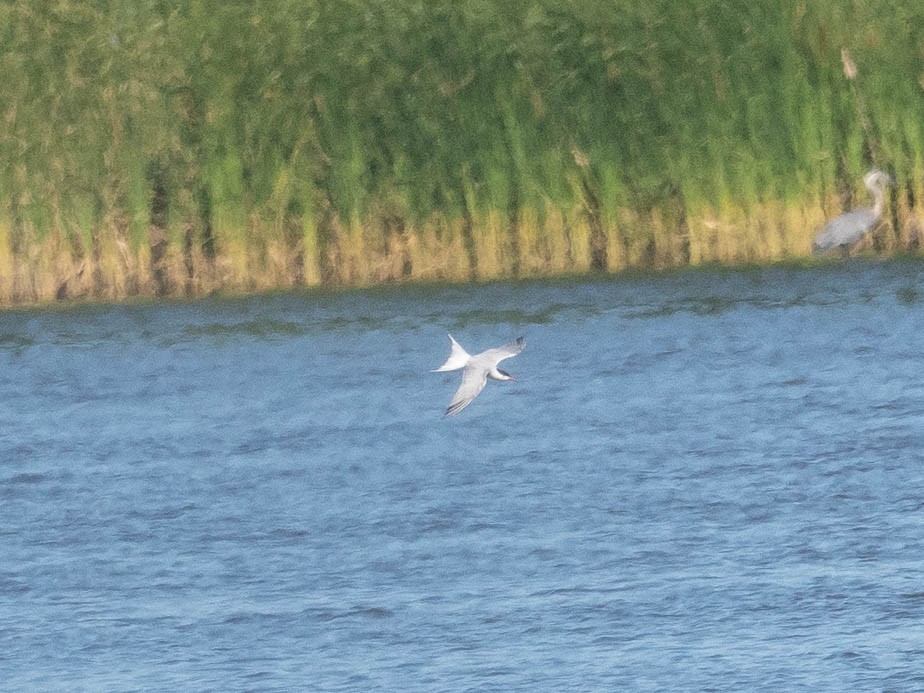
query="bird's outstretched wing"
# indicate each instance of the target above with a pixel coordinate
(504, 352)
(473, 381)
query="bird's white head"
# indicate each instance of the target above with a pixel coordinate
(877, 179)
(498, 374)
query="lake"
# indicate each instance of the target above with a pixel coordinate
(700, 480)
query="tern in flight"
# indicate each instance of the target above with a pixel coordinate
(478, 369)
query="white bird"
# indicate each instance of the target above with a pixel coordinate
(478, 369)
(849, 228)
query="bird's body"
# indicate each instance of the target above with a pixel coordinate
(477, 370)
(849, 228)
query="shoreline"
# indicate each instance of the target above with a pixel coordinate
(65, 280)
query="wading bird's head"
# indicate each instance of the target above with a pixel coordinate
(878, 179)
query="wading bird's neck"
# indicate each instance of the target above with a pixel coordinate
(878, 201)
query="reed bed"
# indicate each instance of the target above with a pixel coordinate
(213, 146)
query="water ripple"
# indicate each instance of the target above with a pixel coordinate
(697, 478)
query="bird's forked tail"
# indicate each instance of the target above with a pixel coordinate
(458, 358)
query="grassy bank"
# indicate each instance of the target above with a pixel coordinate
(153, 150)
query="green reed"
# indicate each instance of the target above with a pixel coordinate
(240, 146)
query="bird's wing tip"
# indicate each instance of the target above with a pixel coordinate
(453, 409)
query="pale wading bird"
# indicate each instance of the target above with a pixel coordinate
(478, 369)
(849, 228)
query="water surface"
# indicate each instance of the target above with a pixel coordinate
(700, 481)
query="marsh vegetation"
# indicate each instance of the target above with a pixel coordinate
(150, 149)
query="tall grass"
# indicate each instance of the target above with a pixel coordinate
(156, 148)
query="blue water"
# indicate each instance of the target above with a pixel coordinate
(703, 480)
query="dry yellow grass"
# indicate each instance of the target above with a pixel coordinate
(490, 246)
